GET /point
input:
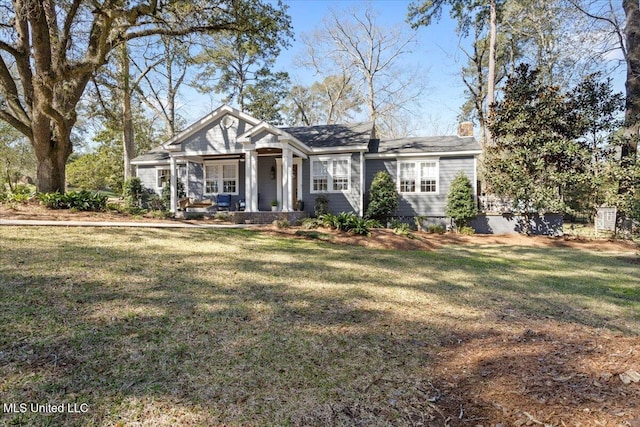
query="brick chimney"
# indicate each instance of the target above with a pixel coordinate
(465, 129)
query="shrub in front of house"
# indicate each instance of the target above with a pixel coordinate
(135, 194)
(348, 221)
(322, 205)
(461, 206)
(383, 197)
(435, 229)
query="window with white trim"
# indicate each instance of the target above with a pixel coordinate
(330, 174)
(221, 178)
(163, 177)
(418, 176)
(320, 175)
(407, 177)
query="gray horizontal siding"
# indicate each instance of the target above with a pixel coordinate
(348, 201)
(215, 138)
(148, 176)
(418, 204)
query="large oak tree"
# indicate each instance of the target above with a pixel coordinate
(50, 49)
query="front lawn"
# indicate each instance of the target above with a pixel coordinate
(232, 327)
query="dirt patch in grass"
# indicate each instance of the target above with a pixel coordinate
(387, 239)
(538, 373)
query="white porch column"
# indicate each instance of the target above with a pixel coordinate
(173, 182)
(287, 179)
(251, 180)
(247, 181)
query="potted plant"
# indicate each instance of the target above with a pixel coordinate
(274, 205)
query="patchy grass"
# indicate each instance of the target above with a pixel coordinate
(201, 327)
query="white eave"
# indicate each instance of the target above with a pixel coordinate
(422, 154)
(352, 149)
(206, 121)
(262, 126)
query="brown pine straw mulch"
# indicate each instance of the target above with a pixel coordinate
(538, 373)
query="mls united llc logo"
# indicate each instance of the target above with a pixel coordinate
(47, 408)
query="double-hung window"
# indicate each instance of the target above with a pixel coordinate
(407, 178)
(418, 176)
(428, 177)
(340, 175)
(221, 177)
(320, 179)
(330, 174)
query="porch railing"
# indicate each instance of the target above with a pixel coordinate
(493, 204)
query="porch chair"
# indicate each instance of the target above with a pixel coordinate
(223, 202)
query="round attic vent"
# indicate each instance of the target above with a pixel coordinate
(227, 122)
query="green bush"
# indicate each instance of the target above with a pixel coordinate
(436, 229)
(322, 205)
(155, 202)
(383, 197)
(77, 200)
(461, 206)
(21, 193)
(348, 221)
(135, 194)
(281, 223)
(402, 229)
(115, 207)
(23, 190)
(311, 223)
(469, 231)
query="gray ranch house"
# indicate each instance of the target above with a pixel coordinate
(228, 152)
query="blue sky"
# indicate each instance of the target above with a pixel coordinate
(437, 53)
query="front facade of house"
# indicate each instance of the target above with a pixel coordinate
(230, 152)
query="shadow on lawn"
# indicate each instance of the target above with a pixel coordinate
(250, 329)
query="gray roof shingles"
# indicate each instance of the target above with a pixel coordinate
(330, 136)
(158, 154)
(356, 135)
(430, 144)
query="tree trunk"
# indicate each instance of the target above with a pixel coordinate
(632, 85)
(51, 156)
(128, 145)
(491, 78)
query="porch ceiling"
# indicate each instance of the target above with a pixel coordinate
(269, 151)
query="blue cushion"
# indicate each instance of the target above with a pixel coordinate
(223, 200)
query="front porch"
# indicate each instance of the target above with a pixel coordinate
(258, 180)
